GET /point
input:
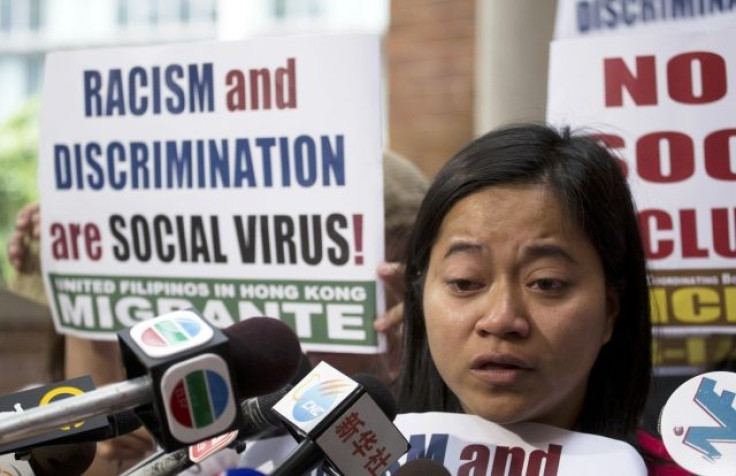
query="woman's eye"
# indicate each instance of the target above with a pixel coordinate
(463, 285)
(549, 284)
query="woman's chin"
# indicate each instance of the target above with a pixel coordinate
(503, 413)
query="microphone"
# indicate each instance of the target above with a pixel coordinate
(697, 422)
(120, 423)
(15, 403)
(257, 420)
(71, 460)
(422, 467)
(181, 387)
(345, 422)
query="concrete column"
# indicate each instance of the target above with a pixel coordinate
(512, 51)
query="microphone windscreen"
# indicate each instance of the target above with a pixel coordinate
(379, 392)
(123, 422)
(69, 460)
(422, 467)
(266, 403)
(265, 354)
(305, 366)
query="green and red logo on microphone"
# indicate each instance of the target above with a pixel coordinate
(198, 398)
(171, 333)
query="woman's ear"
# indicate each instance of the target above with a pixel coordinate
(613, 308)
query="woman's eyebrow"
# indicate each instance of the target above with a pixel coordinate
(538, 251)
(463, 247)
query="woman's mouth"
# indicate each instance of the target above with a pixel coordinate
(500, 370)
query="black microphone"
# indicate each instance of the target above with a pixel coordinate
(71, 460)
(253, 357)
(17, 402)
(257, 420)
(422, 467)
(312, 450)
(120, 423)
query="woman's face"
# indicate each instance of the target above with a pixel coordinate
(516, 306)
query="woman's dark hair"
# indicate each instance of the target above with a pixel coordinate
(593, 191)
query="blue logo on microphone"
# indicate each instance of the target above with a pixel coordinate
(319, 399)
(698, 424)
(720, 408)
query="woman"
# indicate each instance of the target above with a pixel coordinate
(526, 289)
(526, 296)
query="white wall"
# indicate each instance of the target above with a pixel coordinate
(512, 51)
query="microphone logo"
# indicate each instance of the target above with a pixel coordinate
(64, 392)
(314, 397)
(171, 333)
(698, 424)
(319, 399)
(197, 398)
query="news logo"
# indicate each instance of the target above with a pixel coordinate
(59, 393)
(171, 333)
(698, 424)
(318, 399)
(315, 396)
(197, 398)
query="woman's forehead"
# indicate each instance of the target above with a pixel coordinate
(507, 203)
(509, 213)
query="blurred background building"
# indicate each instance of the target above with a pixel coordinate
(453, 67)
(31, 28)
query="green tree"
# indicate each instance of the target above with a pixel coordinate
(18, 172)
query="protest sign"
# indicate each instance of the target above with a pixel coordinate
(665, 104)
(577, 18)
(240, 178)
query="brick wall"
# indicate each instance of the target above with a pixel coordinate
(430, 50)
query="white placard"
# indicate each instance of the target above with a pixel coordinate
(665, 104)
(577, 18)
(239, 178)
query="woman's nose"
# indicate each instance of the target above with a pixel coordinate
(503, 313)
